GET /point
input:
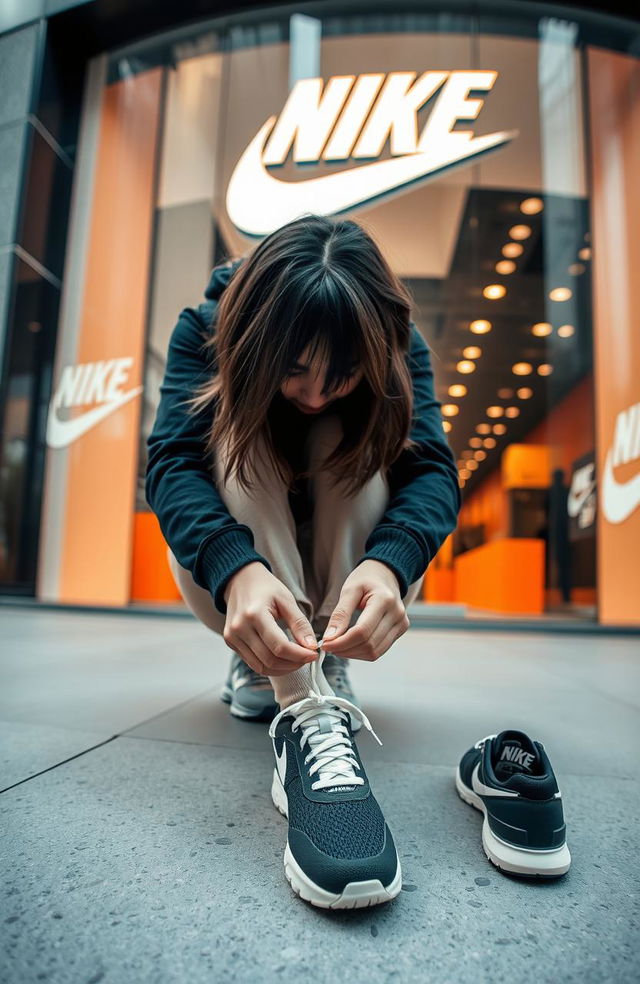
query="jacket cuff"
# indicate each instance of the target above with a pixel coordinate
(400, 551)
(220, 557)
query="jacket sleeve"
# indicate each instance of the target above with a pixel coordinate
(424, 491)
(179, 485)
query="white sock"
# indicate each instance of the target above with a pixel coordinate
(294, 686)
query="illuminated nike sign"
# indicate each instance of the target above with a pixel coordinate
(349, 119)
(621, 498)
(81, 385)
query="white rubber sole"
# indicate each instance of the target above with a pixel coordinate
(356, 895)
(515, 860)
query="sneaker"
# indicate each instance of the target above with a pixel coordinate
(336, 672)
(340, 853)
(509, 777)
(249, 693)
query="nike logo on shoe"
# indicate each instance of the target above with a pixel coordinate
(511, 753)
(281, 762)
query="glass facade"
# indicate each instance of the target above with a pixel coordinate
(216, 134)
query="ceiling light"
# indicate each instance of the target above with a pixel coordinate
(461, 482)
(450, 409)
(566, 331)
(489, 442)
(531, 206)
(483, 429)
(512, 249)
(471, 465)
(499, 429)
(520, 231)
(475, 442)
(575, 269)
(545, 369)
(472, 352)
(467, 454)
(524, 393)
(541, 329)
(521, 368)
(480, 326)
(512, 412)
(504, 393)
(494, 291)
(585, 252)
(458, 389)
(480, 455)
(464, 366)
(494, 411)
(560, 294)
(446, 426)
(505, 266)
(464, 474)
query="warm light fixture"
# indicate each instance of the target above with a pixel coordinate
(489, 442)
(465, 474)
(531, 206)
(480, 455)
(446, 426)
(504, 393)
(450, 409)
(524, 393)
(585, 253)
(465, 366)
(566, 331)
(458, 389)
(471, 465)
(512, 249)
(495, 411)
(521, 368)
(461, 482)
(467, 454)
(545, 369)
(560, 294)
(512, 412)
(475, 442)
(480, 326)
(505, 266)
(575, 269)
(472, 352)
(494, 291)
(499, 429)
(541, 329)
(520, 231)
(483, 429)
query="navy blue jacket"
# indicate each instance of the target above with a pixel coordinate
(207, 540)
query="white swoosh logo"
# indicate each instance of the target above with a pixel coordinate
(61, 433)
(482, 790)
(619, 499)
(575, 501)
(258, 203)
(281, 762)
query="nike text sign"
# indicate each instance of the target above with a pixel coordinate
(350, 119)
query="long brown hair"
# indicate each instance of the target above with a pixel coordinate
(323, 282)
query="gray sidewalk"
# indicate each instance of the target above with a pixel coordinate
(139, 841)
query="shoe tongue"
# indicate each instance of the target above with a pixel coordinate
(513, 751)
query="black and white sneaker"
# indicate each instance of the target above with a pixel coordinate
(509, 777)
(340, 853)
(250, 694)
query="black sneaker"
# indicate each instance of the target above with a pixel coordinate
(340, 853)
(249, 693)
(509, 777)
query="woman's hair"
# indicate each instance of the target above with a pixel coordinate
(321, 282)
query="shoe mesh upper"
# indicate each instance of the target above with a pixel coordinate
(347, 829)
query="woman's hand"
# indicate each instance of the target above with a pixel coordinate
(255, 599)
(373, 588)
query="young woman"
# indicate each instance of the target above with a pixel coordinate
(303, 482)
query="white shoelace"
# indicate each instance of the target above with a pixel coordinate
(332, 752)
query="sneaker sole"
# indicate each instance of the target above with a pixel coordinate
(515, 860)
(355, 895)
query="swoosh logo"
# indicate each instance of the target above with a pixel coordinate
(61, 433)
(576, 501)
(482, 790)
(258, 203)
(281, 762)
(619, 499)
